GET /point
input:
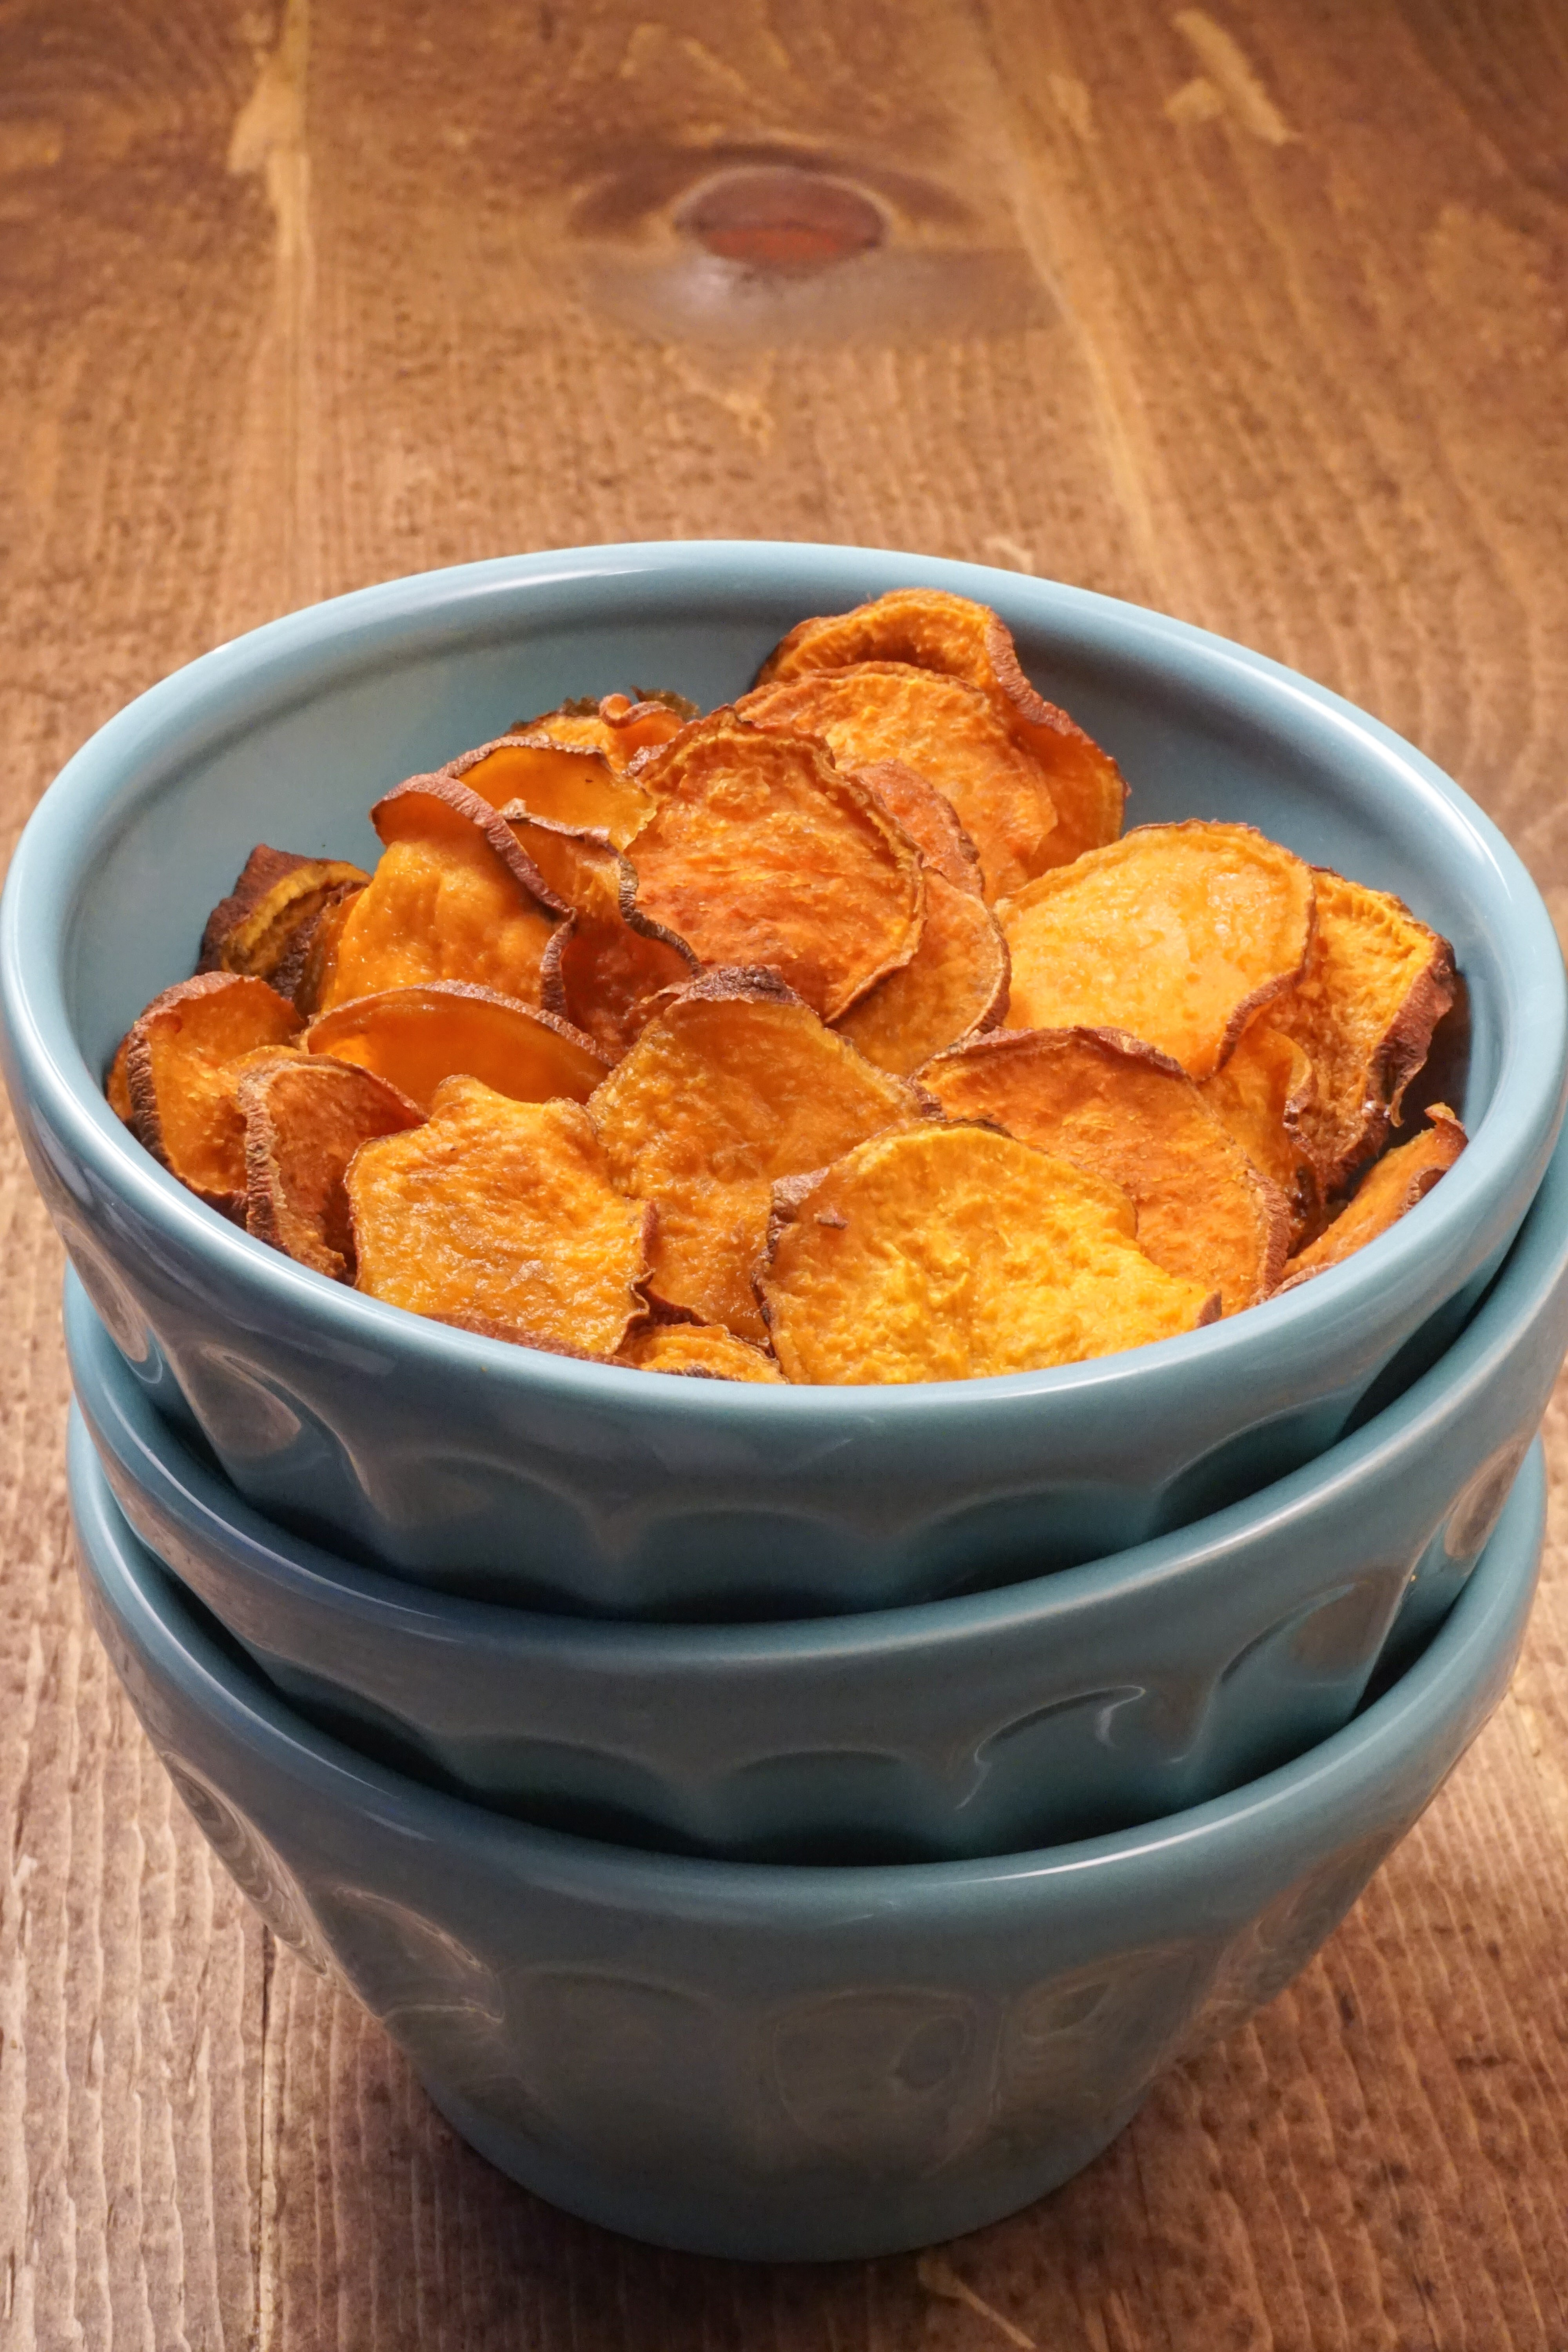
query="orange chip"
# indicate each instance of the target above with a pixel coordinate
(1262, 1097)
(602, 971)
(736, 1083)
(566, 784)
(276, 900)
(452, 897)
(1390, 1186)
(615, 724)
(954, 1253)
(954, 986)
(700, 1351)
(180, 1078)
(1121, 1111)
(1177, 934)
(935, 631)
(762, 853)
(416, 1037)
(304, 1121)
(1374, 987)
(929, 819)
(949, 732)
(502, 1211)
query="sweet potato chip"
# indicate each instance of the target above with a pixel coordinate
(735, 1083)
(565, 783)
(1175, 934)
(1390, 1186)
(935, 631)
(703, 1351)
(304, 1121)
(416, 1037)
(1376, 984)
(931, 821)
(761, 852)
(1124, 1112)
(1262, 1097)
(954, 985)
(501, 1210)
(180, 1079)
(311, 955)
(276, 899)
(603, 970)
(452, 897)
(949, 732)
(954, 1253)
(617, 724)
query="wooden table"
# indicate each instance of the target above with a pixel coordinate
(1257, 315)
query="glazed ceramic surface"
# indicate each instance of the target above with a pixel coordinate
(1081, 1702)
(767, 2062)
(512, 1475)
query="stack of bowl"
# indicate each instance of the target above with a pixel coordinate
(783, 1821)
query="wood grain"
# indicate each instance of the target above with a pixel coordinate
(1254, 312)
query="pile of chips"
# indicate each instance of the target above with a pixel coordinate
(838, 1035)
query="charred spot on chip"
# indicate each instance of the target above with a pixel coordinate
(275, 901)
(180, 1075)
(416, 1037)
(304, 1119)
(1390, 1189)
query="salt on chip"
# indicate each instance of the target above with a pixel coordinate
(1177, 934)
(761, 852)
(1263, 1097)
(934, 630)
(603, 970)
(700, 1351)
(305, 1118)
(956, 1253)
(1121, 1111)
(179, 1077)
(565, 783)
(503, 1211)
(277, 898)
(416, 1037)
(452, 897)
(618, 725)
(1391, 1187)
(949, 732)
(735, 1085)
(954, 986)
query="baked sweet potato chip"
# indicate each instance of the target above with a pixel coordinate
(931, 821)
(312, 953)
(276, 899)
(602, 971)
(761, 852)
(180, 1077)
(1390, 1186)
(416, 1037)
(565, 783)
(504, 1211)
(703, 1351)
(949, 732)
(737, 1083)
(935, 631)
(1262, 1097)
(1121, 1111)
(304, 1119)
(452, 897)
(619, 725)
(1376, 984)
(954, 985)
(1175, 934)
(955, 1253)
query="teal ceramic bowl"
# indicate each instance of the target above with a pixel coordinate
(757, 2061)
(513, 1475)
(1075, 1704)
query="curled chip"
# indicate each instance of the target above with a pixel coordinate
(1376, 984)
(762, 853)
(737, 1083)
(416, 1037)
(954, 1253)
(617, 724)
(179, 1077)
(1175, 934)
(304, 1121)
(1121, 1111)
(703, 1351)
(501, 1210)
(602, 971)
(952, 635)
(312, 953)
(1390, 1186)
(1262, 1097)
(452, 897)
(566, 784)
(931, 821)
(949, 732)
(954, 985)
(277, 898)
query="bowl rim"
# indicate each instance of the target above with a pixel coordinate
(210, 1509)
(210, 700)
(1420, 1713)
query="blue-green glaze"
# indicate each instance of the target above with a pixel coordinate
(1080, 1702)
(764, 2061)
(517, 1475)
